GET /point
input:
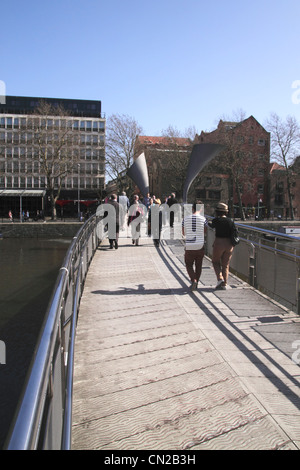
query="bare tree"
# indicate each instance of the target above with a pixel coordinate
(285, 138)
(53, 143)
(175, 160)
(121, 133)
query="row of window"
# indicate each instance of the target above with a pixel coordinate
(215, 194)
(242, 140)
(216, 181)
(29, 153)
(34, 167)
(15, 182)
(52, 124)
(51, 139)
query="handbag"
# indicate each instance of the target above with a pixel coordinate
(234, 237)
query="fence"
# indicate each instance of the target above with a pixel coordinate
(43, 420)
(269, 261)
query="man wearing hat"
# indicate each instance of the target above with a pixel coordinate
(222, 247)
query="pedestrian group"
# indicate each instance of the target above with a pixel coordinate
(194, 228)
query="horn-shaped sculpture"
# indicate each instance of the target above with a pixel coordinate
(138, 172)
(200, 156)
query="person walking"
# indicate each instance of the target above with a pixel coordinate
(135, 210)
(155, 221)
(222, 247)
(194, 227)
(171, 201)
(124, 206)
(114, 223)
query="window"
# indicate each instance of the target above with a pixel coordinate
(201, 194)
(261, 142)
(260, 188)
(214, 195)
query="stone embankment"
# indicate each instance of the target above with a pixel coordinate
(47, 229)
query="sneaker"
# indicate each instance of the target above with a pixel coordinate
(223, 286)
(219, 284)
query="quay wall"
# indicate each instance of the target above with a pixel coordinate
(51, 229)
(39, 229)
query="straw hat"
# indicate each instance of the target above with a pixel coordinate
(222, 207)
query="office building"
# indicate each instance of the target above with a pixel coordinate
(27, 136)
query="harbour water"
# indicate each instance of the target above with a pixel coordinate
(28, 271)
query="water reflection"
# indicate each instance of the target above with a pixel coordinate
(28, 271)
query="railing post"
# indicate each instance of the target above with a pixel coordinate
(252, 266)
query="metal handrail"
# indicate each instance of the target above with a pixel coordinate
(250, 262)
(43, 419)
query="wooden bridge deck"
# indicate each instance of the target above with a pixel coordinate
(158, 367)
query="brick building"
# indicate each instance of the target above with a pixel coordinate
(247, 156)
(279, 201)
(167, 159)
(240, 175)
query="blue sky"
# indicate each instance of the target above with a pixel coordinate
(162, 62)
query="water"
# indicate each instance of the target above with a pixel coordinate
(28, 271)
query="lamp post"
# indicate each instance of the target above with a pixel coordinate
(78, 191)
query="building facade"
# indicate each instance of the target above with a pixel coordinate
(279, 198)
(167, 159)
(246, 155)
(21, 172)
(240, 175)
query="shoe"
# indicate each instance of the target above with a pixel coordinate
(223, 286)
(194, 286)
(116, 245)
(219, 284)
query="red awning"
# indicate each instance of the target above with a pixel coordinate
(62, 202)
(89, 203)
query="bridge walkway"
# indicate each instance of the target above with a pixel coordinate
(159, 367)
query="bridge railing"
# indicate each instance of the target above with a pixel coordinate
(267, 260)
(43, 420)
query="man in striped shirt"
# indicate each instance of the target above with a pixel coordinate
(194, 227)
